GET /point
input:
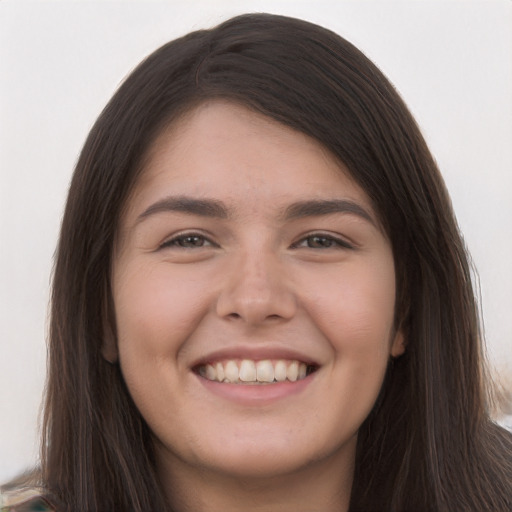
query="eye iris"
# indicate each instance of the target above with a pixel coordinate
(191, 241)
(319, 242)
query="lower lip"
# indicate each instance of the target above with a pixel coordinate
(256, 394)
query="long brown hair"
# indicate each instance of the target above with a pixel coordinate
(429, 443)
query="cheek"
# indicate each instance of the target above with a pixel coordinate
(155, 309)
(354, 308)
(156, 313)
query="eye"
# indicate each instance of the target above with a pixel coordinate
(187, 241)
(321, 241)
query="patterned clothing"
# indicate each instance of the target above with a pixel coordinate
(29, 499)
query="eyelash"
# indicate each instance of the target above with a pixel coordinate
(177, 240)
(334, 242)
(338, 243)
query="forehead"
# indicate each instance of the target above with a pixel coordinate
(225, 150)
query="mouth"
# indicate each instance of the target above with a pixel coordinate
(255, 372)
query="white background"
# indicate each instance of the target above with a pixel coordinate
(61, 61)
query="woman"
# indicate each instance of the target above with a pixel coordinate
(261, 298)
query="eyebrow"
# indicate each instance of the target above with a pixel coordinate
(190, 205)
(313, 208)
(217, 209)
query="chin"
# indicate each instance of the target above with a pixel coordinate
(267, 454)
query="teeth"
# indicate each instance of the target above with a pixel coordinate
(231, 371)
(265, 371)
(252, 372)
(280, 371)
(211, 374)
(292, 372)
(220, 372)
(247, 371)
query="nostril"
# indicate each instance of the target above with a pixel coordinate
(238, 316)
(250, 303)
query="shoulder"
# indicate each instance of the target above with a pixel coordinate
(25, 499)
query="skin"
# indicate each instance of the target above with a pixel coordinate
(251, 281)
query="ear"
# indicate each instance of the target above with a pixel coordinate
(398, 345)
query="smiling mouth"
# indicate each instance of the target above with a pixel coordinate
(248, 371)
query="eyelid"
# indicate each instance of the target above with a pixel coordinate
(341, 242)
(171, 240)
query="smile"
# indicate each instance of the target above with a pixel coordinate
(248, 371)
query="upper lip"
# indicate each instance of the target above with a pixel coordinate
(255, 354)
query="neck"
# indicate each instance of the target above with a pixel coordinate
(322, 485)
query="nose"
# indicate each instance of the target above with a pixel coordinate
(256, 290)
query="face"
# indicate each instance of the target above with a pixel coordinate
(254, 294)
